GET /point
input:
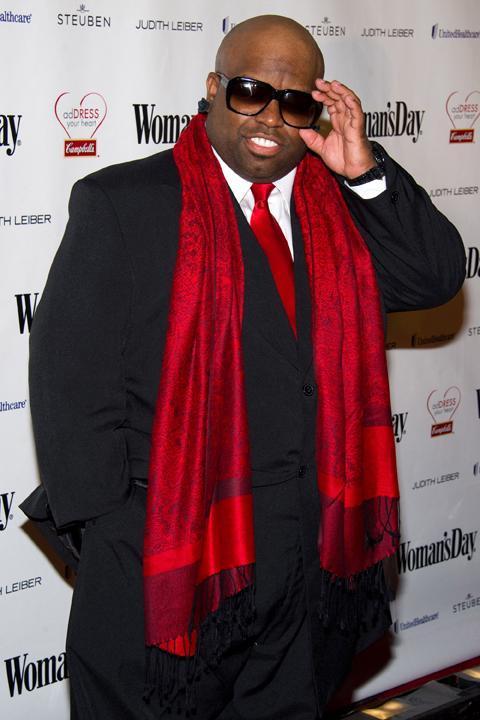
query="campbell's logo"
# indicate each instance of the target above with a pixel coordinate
(463, 114)
(454, 544)
(6, 504)
(9, 131)
(442, 407)
(397, 120)
(24, 674)
(81, 121)
(462, 136)
(158, 128)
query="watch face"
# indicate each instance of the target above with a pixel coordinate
(377, 151)
(376, 173)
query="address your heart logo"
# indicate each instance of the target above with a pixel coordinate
(463, 115)
(80, 121)
(442, 408)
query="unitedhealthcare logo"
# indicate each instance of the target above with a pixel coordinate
(443, 33)
(414, 622)
(227, 25)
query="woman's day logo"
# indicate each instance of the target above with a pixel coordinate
(81, 122)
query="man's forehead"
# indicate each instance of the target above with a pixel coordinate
(274, 46)
(274, 70)
(273, 58)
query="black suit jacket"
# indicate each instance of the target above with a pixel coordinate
(98, 335)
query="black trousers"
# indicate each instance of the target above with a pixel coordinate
(267, 677)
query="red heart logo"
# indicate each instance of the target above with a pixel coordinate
(442, 409)
(90, 113)
(466, 113)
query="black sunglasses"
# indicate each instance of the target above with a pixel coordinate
(247, 96)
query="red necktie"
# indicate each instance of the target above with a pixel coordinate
(275, 246)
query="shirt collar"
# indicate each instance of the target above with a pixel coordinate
(240, 187)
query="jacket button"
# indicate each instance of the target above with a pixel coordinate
(302, 470)
(308, 389)
(394, 196)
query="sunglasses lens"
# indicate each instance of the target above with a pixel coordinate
(248, 97)
(298, 109)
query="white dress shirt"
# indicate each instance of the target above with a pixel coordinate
(279, 198)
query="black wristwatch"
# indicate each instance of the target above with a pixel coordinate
(375, 173)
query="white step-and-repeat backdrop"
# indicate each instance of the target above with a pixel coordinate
(84, 85)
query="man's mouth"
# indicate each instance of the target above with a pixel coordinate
(262, 145)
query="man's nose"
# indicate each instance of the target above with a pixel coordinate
(270, 115)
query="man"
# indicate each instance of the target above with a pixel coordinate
(174, 294)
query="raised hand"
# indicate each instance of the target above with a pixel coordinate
(346, 150)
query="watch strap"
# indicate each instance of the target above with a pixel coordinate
(375, 173)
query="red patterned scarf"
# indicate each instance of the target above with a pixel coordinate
(199, 553)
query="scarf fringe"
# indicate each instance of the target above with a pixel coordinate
(346, 602)
(354, 603)
(174, 678)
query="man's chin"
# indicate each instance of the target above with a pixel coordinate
(261, 168)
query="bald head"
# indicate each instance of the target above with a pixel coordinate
(270, 33)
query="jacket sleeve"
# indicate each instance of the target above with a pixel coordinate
(418, 254)
(76, 370)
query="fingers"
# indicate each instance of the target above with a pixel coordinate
(334, 90)
(340, 101)
(312, 139)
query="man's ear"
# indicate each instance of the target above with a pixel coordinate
(213, 82)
